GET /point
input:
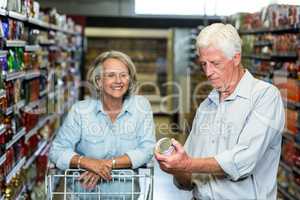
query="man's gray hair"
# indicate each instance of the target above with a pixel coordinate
(220, 36)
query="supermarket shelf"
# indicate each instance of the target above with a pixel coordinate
(272, 56)
(44, 92)
(47, 43)
(263, 43)
(2, 129)
(39, 23)
(257, 57)
(14, 75)
(291, 105)
(9, 110)
(39, 125)
(51, 95)
(17, 16)
(286, 167)
(278, 30)
(3, 12)
(36, 22)
(66, 106)
(285, 193)
(15, 170)
(286, 55)
(54, 48)
(259, 73)
(21, 192)
(20, 134)
(65, 48)
(281, 73)
(20, 104)
(33, 105)
(2, 159)
(2, 93)
(30, 185)
(15, 43)
(46, 149)
(288, 135)
(44, 66)
(32, 48)
(297, 146)
(46, 25)
(35, 154)
(32, 74)
(3, 53)
(264, 74)
(297, 170)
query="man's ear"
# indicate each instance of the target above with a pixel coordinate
(237, 59)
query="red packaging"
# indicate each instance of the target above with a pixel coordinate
(291, 120)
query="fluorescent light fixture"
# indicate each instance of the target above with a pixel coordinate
(203, 7)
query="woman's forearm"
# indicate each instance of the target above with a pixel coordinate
(78, 161)
(122, 162)
(74, 161)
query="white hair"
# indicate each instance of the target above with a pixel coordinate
(220, 36)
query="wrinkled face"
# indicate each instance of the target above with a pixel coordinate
(114, 81)
(217, 67)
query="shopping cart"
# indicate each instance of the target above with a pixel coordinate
(125, 185)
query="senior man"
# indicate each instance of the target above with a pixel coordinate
(233, 150)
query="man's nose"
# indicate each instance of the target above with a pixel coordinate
(209, 69)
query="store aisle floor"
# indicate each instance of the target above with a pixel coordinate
(164, 189)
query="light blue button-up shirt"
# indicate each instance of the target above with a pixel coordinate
(88, 131)
(243, 133)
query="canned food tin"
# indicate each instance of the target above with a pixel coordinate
(164, 146)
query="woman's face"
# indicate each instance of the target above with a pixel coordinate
(114, 81)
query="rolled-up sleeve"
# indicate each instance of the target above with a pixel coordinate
(264, 122)
(146, 138)
(63, 146)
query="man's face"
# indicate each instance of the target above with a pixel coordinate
(217, 67)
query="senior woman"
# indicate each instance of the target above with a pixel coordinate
(114, 130)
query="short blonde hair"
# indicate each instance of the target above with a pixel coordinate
(96, 69)
(221, 36)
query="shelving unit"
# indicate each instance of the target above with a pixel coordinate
(268, 58)
(29, 117)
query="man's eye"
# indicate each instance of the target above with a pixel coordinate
(202, 64)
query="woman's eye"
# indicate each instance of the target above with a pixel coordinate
(124, 75)
(110, 75)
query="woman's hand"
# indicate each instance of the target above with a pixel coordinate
(89, 180)
(101, 167)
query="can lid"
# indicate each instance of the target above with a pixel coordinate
(163, 145)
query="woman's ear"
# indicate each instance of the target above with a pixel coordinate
(99, 83)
